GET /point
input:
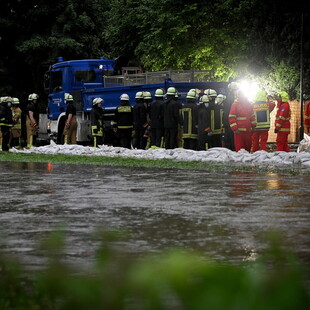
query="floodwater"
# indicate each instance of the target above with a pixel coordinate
(222, 215)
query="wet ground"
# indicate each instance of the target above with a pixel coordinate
(222, 215)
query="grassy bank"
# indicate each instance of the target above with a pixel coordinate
(174, 280)
(133, 162)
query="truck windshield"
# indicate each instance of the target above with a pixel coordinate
(85, 76)
(56, 81)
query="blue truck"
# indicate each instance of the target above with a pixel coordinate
(90, 78)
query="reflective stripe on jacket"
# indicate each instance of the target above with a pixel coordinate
(283, 116)
(262, 111)
(241, 116)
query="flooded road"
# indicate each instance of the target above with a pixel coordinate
(222, 215)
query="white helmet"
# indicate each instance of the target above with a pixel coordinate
(139, 95)
(210, 92)
(15, 101)
(124, 97)
(191, 94)
(147, 95)
(68, 97)
(159, 92)
(171, 91)
(233, 86)
(33, 96)
(97, 101)
(219, 99)
(204, 99)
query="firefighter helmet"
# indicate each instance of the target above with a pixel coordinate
(261, 96)
(191, 94)
(97, 101)
(68, 97)
(171, 91)
(139, 95)
(33, 96)
(159, 92)
(124, 97)
(147, 95)
(210, 92)
(219, 99)
(233, 86)
(15, 101)
(284, 96)
(204, 99)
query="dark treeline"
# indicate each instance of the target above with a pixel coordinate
(230, 37)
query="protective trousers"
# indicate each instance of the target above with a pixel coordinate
(6, 133)
(70, 132)
(31, 133)
(243, 140)
(282, 142)
(259, 140)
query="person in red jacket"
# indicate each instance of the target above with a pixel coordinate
(307, 118)
(242, 122)
(262, 109)
(282, 122)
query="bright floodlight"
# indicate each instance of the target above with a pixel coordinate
(249, 88)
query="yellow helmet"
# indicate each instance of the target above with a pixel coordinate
(261, 96)
(33, 96)
(284, 96)
(15, 101)
(171, 91)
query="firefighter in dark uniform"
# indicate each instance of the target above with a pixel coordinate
(71, 123)
(96, 119)
(189, 121)
(156, 118)
(171, 117)
(204, 123)
(140, 121)
(216, 119)
(31, 123)
(123, 122)
(6, 122)
(16, 130)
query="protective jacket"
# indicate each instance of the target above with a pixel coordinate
(171, 114)
(241, 116)
(140, 115)
(6, 116)
(262, 111)
(123, 116)
(156, 114)
(16, 116)
(216, 118)
(189, 120)
(96, 118)
(283, 116)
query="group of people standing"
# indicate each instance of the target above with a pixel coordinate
(11, 121)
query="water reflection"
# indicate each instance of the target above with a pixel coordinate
(222, 215)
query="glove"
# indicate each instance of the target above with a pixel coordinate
(237, 131)
(35, 125)
(276, 130)
(95, 130)
(67, 125)
(210, 133)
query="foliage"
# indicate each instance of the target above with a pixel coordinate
(171, 280)
(232, 38)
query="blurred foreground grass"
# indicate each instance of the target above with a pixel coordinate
(171, 280)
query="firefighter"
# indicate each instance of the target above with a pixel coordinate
(242, 122)
(156, 118)
(6, 122)
(171, 118)
(71, 123)
(307, 118)
(204, 123)
(228, 134)
(216, 119)
(140, 121)
(189, 121)
(96, 119)
(31, 123)
(16, 130)
(282, 122)
(123, 121)
(147, 133)
(219, 104)
(262, 109)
